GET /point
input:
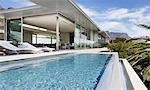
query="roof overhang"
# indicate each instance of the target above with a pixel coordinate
(104, 34)
(66, 8)
(49, 22)
(69, 9)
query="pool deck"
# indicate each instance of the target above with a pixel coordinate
(25, 56)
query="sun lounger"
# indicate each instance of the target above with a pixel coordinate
(8, 48)
(27, 45)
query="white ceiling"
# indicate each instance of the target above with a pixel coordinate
(69, 9)
(66, 8)
(49, 22)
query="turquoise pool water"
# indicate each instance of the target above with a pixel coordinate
(74, 72)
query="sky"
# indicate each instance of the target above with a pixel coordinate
(119, 15)
(109, 15)
(15, 3)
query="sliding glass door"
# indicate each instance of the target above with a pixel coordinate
(14, 30)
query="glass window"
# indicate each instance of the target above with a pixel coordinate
(42, 39)
(84, 31)
(88, 34)
(14, 30)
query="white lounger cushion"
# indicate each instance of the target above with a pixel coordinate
(26, 45)
(7, 45)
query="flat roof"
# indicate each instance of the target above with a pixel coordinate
(66, 8)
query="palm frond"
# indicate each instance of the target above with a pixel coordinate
(144, 26)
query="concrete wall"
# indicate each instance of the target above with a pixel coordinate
(27, 36)
(64, 37)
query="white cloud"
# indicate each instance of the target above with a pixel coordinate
(124, 13)
(112, 25)
(139, 31)
(115, 14)
(90, 12)
(23, 2)
(136, 15)
(121, 19)
(131, 29)
(115, 26)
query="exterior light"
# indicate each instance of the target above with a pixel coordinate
(34, 27)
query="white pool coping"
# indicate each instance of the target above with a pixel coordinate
(136, 83)
(112, 78)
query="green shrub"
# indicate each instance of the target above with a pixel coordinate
(136, 54)
(88, 46)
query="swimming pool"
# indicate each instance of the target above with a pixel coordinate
(70, 72)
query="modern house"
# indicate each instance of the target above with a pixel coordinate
(57, 23)
(54, 22)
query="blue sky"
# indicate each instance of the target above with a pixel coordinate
(15, 3)
(106, 4)
(119, 15)
(110, 15)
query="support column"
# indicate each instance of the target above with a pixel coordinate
(5, 30)
(91, 35)
(57, 32)
(51, 39)
(91, 38)
(21, 29)
(36, 38)
(75, 39)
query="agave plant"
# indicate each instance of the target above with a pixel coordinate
(146, 74)
(136, 54)
(123, 47)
